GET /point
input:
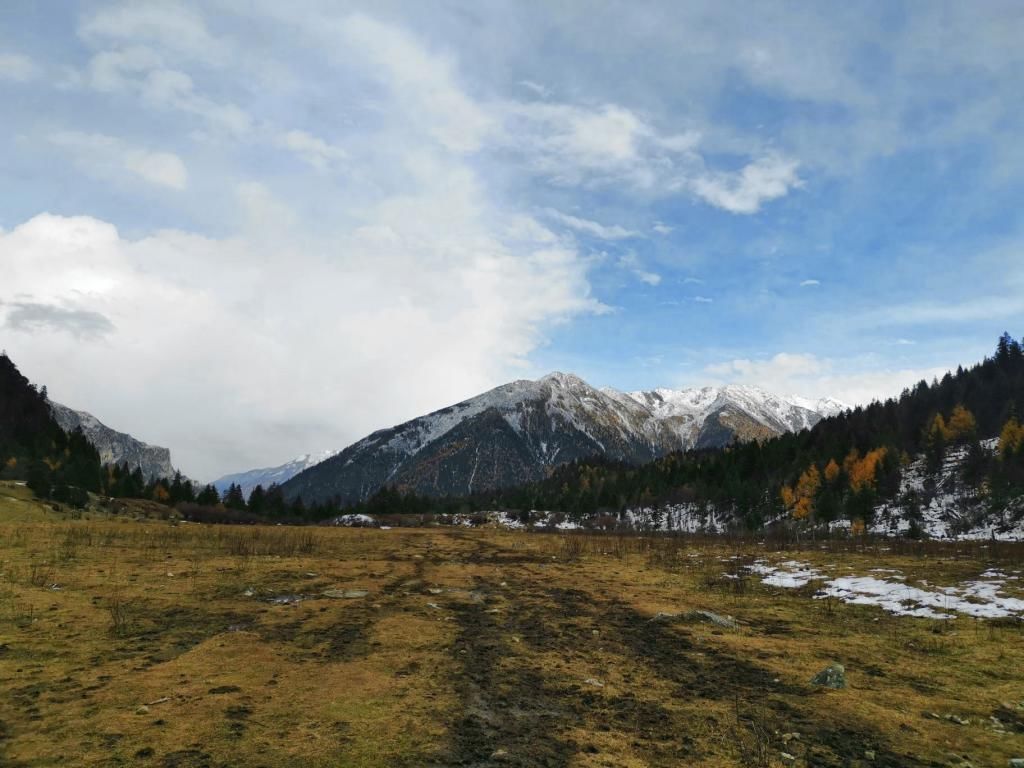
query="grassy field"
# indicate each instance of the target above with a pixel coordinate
(145, 642)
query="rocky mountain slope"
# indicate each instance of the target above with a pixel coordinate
(267, 476)
(115, 447)
(517, 432)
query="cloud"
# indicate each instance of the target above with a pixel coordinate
(108, 156)
(32, 317)
(17, 68)
(809, 283)
(765, 179)
(536, 88)
(703, 300)
(316, 152)
(175, 28)
(662, 229)
(856, 382)
(593, 228)
(142, 71)
(631, 262)
(424, 81)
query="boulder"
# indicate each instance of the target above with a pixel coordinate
(832, 676)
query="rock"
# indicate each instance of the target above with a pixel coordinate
(142, 709)
(500, 755)
(869, 754)
(832, 676)
(345, 594)
(788, 737)
(594, 682)
(725, 622)
(958, 720)
(248, 592)
(1017, 762)
(787, 758)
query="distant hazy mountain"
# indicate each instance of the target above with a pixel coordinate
(116, 447)
(269, 475)
(516, 432)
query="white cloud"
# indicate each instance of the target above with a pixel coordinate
(142, 70)
(107, 156)
(703, 300)
(312, 150)
(174, 28)
(537, 88)
(809, 283)
(765, 179)
(853, 382)
(424, 82)
(631, 262)
(596, 229)
(662, 229)
(17, 68)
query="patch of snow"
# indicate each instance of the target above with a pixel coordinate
(980, 598)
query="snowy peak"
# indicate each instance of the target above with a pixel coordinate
(267, 476)
(695, 406)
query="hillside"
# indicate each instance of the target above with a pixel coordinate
(33, 446)
(518, 432)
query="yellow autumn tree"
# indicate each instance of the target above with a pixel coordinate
(962, 424)
(831, 471)
(787, 496)
(1011, 437)
(806, 489)
(160, 494)
(862, 471)
(937, 431)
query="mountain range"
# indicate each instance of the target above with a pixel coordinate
(517, 432)
(115, 447)
(267, 476)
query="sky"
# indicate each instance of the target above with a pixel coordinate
(250, 230)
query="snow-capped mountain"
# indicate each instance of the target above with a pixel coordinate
(267, 476)
(516, 432)
(115, 447)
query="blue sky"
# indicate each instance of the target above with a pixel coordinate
(248, 230)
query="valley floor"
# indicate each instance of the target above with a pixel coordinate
(142, 642)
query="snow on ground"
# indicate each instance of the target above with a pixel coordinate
(981, 598)
(789, 575)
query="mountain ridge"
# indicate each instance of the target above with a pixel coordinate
(517, 431)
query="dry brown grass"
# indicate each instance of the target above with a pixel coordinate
(128, 642)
